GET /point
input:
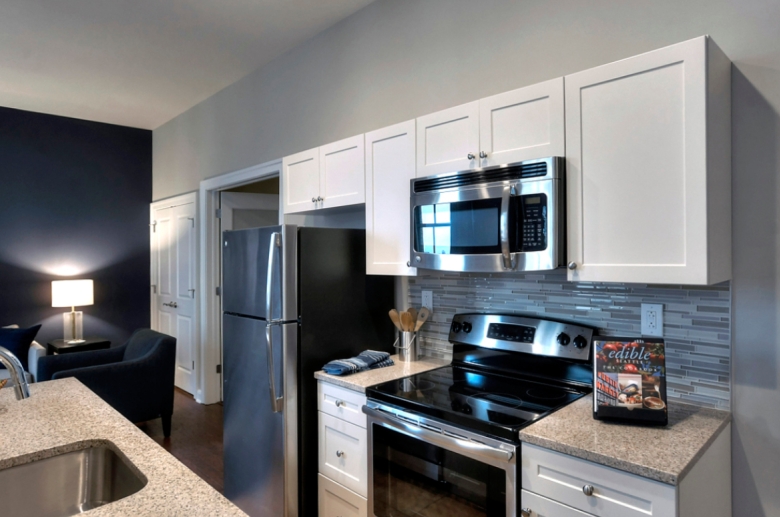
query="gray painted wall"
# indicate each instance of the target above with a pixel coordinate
(396, 60)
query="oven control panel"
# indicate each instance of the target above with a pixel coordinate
(522, 334)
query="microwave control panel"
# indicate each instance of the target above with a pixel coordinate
(534, 227)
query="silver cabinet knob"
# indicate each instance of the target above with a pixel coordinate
(572, 265)
(314, 200)
(408, 264)
(482, 154)
(587, 490)
(339, 453)
(525, 512)
(319, 198)
(470, 156)
(339, 403)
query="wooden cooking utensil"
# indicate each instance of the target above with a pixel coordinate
(413, 312)
(396, 318)
(407, 323)
(422, 317)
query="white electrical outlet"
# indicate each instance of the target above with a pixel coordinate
(427, 300)
(652, 319)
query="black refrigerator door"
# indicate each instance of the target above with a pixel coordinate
(245, 271)
(253, 434)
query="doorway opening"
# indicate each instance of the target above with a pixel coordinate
(248, 198)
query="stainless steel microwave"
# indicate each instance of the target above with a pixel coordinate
(505, 218)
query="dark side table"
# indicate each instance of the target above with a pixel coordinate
(61, 346)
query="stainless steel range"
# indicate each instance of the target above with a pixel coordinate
(450, 436)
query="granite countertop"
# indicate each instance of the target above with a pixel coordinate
(361, 381)
(664, 454)
(64, 415)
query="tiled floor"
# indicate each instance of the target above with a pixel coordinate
(196, 437)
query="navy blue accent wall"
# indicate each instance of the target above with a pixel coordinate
(74, 202)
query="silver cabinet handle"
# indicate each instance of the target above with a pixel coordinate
(470, 156)
(525, 512)
(320, 198)
(172, 305)
(483, 154)
(587, 490)
(314, 200)
(503, 222)
(572, 265)
(339, 453)
(339, 403)
(276, 242)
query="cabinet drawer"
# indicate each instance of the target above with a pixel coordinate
(543, 507)
(343, 453)
(337, 501)
(341, 403)
(615, 493)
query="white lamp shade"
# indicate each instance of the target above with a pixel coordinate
(72, 293)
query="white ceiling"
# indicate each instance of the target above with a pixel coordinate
(142, 62)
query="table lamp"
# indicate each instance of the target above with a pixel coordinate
(72, 293)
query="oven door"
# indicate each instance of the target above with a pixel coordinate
(505, 226)
(420, 468)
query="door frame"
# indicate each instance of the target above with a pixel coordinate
(209, 389)
(183, 199)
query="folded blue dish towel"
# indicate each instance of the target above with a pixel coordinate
(367, 360)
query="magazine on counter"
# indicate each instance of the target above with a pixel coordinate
(629, 377)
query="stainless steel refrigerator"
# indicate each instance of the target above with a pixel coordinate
(293, 299)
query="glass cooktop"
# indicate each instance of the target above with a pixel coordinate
(483, 402)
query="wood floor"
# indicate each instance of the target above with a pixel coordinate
(196, 437)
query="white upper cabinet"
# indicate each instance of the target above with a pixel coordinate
(523, 124)
(390, 167)
(648, 148)
(301, 181)
(343, 173)
(510, 127)
(325, 177)
(448, 140)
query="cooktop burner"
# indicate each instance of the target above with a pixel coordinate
(485, 402)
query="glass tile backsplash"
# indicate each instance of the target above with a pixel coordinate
(697, 320)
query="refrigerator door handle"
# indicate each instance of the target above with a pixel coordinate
(276, 242)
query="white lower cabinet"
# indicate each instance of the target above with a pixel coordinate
(537, 506)
(558, 485)
(562, 478)
(343, 452)
(337, 501)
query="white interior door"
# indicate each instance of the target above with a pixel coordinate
(240, 210)
(173, 260)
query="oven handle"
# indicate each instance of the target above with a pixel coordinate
(474, 449)
(506, 256)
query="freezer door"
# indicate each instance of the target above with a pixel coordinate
(249, 257)
(253, 433)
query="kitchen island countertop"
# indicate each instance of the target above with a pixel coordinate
(664, 454)
(362, 380)
(64, 415)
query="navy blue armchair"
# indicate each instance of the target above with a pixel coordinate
(136, 378)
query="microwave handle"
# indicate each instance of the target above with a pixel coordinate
(506, 256)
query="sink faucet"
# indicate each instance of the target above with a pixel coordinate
(14, 367)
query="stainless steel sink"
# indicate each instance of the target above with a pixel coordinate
(67, 484)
